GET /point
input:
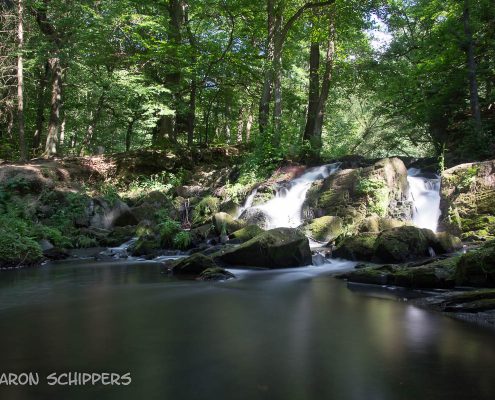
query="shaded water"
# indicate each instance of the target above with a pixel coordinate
(293, 334)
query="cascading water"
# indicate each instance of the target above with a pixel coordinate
(424, 192)
(285, 209)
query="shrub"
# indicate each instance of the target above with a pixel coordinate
(17, 250)
(182, 240)
(168, 229)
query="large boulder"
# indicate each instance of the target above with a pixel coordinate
(468, 200)
(378, 224)
(379, 190)
(404, 243)
(255, 216)
(358, 248)
(105, 214)
(276, 248)
(477, 267)
(324, 229)
(397, 245)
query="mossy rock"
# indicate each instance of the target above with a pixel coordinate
(448, 243)
(376, 224)
(477, 267)
(276, 248)
(215, 274)
(325, 229)
(357, 248)
(225, 222)
(193, 265)
(247, 233)
(403, 244)
(145, 245)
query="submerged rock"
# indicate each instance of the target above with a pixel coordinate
(216, 274)
(193, 265)
(276, 248)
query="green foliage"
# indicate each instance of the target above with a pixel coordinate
(468, 177)
(182, 240)
(168, 229)
(51, 234)
(377, 193)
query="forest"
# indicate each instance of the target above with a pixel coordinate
(247, 199)
(286, 79)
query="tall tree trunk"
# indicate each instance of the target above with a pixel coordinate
(20, 79)
(314, 90)
(191, 120)
(266, 94)
(94, 118)
(40, 110)
(249, 125)
(52, 139)
(240, 126)
(128, 133)
(471, 66)
(318, 96)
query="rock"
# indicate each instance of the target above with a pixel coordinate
(56, 253)
(215, 274)
(448, 243)
(276, 248)
(105, 215)
(191, 191)
(246, 233)
(357, 248)
(45, 245)
(224, 221)
(230, 207)
(436, 274)
(255, 216)
(403, 244)
(477, 267)
(468, 201)
(202, 233)
(377, 224)
(354, 194)
(193, 265)
(324, 229)
(145, 245)
(396, 245)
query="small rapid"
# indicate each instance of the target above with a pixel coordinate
(424, 192)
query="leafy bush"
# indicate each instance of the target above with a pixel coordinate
(17, 249)
(51, 234)
(468, 177)
(182, 240)
(168, 229)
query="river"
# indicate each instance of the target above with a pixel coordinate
(288, 334)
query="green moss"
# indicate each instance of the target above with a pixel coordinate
(359, 248)
(477, 267)
(247, 233)
(325, 229)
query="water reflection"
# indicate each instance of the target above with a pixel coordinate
(295, 334)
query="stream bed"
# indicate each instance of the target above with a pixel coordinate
(287, 334)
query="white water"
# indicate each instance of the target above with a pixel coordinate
(425, 195)
(248, 203)
(285, 209)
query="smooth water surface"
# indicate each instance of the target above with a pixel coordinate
(293, 334)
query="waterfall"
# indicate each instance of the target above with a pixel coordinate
(285, 209)
(424, 192)
(248, 203)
